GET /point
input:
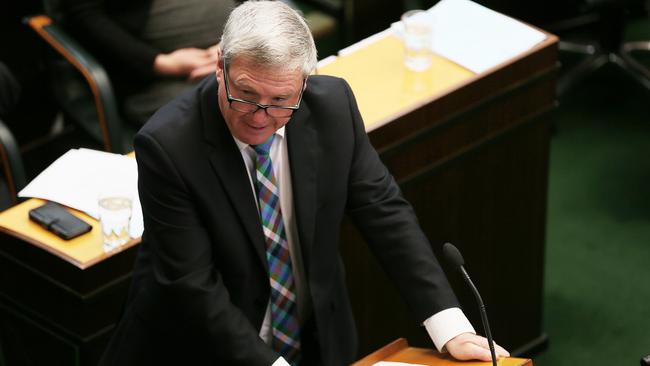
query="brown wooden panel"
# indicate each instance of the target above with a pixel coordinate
(56, 311)
(474, 164)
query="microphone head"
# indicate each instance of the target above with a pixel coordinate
(452, 255)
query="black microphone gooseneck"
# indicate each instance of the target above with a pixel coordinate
(453, 256)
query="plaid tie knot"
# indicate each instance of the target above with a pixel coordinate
(265, 147)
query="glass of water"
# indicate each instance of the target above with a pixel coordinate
(115, 217)
(417, 40)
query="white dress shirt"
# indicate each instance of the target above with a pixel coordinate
(442, 326)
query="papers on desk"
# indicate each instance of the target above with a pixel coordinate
(476, 37)
(78, 177)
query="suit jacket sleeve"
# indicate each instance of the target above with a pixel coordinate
(389, 225)
(186, 293)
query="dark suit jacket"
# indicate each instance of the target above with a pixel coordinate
(201, 287)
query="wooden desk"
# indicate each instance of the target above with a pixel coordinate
(471, 153)
(59, 300)
(399, 351)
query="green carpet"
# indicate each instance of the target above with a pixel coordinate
(597, 290)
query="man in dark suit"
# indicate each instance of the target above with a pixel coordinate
(243, 184)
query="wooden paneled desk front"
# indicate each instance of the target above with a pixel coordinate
(59, 300)
(470, 152)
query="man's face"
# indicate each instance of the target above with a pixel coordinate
(247, 81)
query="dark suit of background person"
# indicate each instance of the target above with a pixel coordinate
(127, 35)
(205, 299)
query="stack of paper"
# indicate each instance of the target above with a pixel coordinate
(476, 37)
(79, 176)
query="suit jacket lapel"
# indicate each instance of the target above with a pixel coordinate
(303, 159)
(227, 162)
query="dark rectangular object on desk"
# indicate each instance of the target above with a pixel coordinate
(58, 220)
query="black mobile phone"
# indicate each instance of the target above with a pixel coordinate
(58, 220)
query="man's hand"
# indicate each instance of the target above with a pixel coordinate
(468, 346)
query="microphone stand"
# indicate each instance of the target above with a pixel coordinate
(484, 318)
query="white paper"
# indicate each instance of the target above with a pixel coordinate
(476, 37)
(77, 178)
(389, 363)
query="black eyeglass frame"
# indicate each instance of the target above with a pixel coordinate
(265, 107)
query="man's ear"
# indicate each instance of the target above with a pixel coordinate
(219, 55)
(220, 65)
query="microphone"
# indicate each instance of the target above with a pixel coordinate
(453, 256)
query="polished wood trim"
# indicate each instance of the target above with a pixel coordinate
(64, 256)
(399, 351)
(39, 23)
(11, 184)
(383, 353)
(14, 219)
(550, 43)
(392, 145)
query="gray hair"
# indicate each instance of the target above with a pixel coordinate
(271, 34)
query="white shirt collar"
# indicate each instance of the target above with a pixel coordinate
(243, 145)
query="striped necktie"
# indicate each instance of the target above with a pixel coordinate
(284, 318)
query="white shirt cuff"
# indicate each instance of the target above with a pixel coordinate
(280, 362)
(445, 325)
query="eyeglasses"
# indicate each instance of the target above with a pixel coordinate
(246, 106)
